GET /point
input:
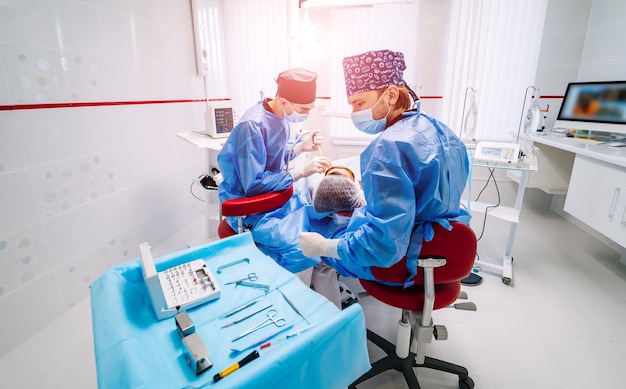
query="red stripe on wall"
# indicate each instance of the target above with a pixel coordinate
(20, 107)
(100, 104)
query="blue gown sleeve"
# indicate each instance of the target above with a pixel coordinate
(379, 233)
(250, 156)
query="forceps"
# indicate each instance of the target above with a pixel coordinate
(251, 277)
(270, 320)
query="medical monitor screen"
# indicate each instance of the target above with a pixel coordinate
(597, 103)
(220, 121)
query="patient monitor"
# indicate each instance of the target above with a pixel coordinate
(219, 121)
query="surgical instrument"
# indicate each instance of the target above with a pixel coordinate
(249, 358)
(288, 336)
(220, 268)
(319, 146)
(240, 308)
(251, 277)
(235, 352)
(245, 317)
(293, 306)
(270, 320)
(266, 288)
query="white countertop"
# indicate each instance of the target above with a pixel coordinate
(203, 141)
(590, 148)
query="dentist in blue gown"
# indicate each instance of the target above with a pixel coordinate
(256, 159)
(413, 173)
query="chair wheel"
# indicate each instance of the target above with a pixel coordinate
(506, 280)
(466, 383)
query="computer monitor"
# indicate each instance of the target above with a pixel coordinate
(219, 121)
(594, 106)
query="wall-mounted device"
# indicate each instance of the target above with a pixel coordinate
(177, 288)
(497, 152)
(219, 121)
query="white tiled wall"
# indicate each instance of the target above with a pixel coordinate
(80, 187)
(583, 40)
(604, 56)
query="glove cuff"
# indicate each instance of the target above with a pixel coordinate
(297, 149)
(296, 174)
(333, 248)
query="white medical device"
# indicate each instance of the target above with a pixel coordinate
(177, 288)
(497, 152)
(219, 121)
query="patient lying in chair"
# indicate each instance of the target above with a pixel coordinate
(337, 194)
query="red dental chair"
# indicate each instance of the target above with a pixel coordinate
(443, 263)
(245, 206)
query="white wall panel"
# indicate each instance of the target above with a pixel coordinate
(52, 24)
(72, 183)
(18, 207)
(607, 13)
(604, 55)
(80, 229)
(93, 70)
(77, 274)
(24, 256)
(11, 151)
(56, 134)
(30, 309)
(118, 41)
(36, 75)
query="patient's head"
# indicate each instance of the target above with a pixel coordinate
(341, 171)
(339, 194)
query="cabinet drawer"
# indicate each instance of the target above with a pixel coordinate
(597, 196)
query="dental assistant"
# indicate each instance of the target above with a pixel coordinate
(256, 158)
(413, 173)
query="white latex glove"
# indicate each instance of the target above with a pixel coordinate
(315, 245)
(315, 165)
(311, 141)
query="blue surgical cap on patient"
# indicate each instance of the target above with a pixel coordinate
(337, 193)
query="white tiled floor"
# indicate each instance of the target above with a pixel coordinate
(559, 324)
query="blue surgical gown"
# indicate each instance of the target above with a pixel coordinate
(253, 161)
(413, 174)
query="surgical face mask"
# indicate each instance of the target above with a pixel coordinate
(365, 122)
(341, 220)
(295, 117)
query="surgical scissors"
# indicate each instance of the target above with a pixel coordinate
(251, 277)
(270, 320)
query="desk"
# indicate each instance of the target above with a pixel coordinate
(510, 214)
(596, 190)
(135, 350)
